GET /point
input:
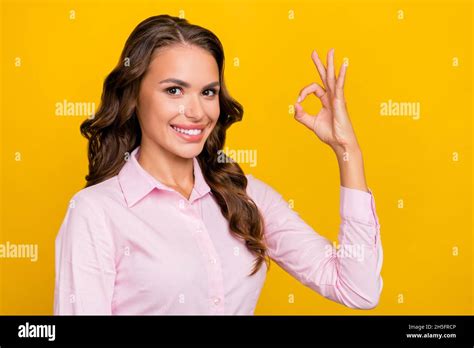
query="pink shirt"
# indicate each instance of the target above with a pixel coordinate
(131, 245)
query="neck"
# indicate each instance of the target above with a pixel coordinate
(171, 170)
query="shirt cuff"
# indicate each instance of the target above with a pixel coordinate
(358, 205)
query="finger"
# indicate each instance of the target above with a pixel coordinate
(317, 90)
(330, 76)
(340, 81)
(320, 67)
(303, 117)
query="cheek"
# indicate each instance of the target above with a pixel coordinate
(213, 111)
(158, 110)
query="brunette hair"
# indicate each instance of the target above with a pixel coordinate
(115, 130)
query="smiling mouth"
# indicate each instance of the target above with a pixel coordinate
(190, 136)
(191, 132)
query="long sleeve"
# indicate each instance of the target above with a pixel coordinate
(348, 273)
(84, 264)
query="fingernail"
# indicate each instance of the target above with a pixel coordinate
(299, 99)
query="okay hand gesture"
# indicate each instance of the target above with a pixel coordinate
(332, 124)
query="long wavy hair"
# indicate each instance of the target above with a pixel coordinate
(115, 131)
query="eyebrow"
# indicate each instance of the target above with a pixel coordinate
(187, 85)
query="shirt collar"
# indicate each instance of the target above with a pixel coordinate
(136, 182)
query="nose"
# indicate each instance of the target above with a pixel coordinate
(193, 108)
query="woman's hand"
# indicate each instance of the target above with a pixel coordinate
(332, 124)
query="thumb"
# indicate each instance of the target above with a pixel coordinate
(303, 117)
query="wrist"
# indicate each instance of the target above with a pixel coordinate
(346, 151)
(351, 167)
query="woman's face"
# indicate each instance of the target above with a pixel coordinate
(178, 103)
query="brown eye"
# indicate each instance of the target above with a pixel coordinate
(214, 92)
(171, 90)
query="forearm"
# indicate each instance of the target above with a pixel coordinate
(351, 168)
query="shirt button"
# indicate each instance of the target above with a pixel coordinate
(217, 300)
(181, 204)
(212, 260)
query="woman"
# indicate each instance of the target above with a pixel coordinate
(164, 226)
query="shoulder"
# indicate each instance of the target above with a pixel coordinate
(88, 213)
(262, 193)
(255, 186)
(93, 199)
(87, 226)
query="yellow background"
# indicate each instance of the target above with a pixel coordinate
(409, 59)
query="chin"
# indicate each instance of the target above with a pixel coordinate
(189, 153)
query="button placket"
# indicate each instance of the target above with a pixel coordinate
(217, 289)
(191, 209)
(199, 208)
(213, 268)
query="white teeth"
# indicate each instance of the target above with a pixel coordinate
(188, 131)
